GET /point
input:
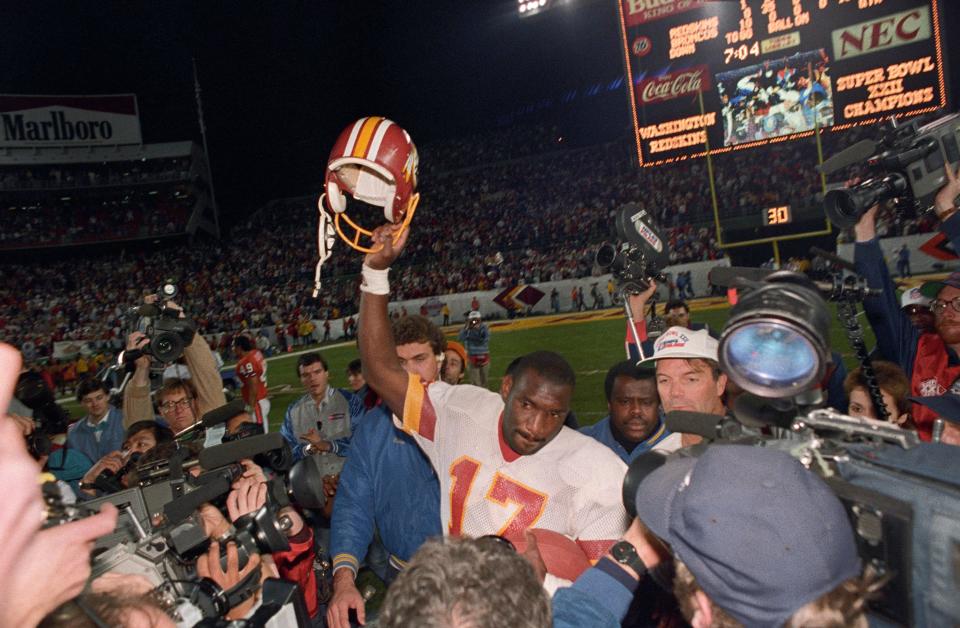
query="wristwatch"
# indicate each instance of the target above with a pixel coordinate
(626, 554)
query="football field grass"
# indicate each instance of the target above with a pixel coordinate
(590, 341)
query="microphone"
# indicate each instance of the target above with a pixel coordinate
(850, 156)
(229, 453)
(182, 507)
(709, 426)
(224, 413)
(215, 417)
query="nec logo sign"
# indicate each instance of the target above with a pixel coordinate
(887, 32)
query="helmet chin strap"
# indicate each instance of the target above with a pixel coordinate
(326, 236)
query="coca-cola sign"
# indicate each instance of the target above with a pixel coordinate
(679, 83)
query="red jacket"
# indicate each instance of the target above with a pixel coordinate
(296, 565)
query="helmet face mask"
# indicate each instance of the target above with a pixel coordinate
(374, 161)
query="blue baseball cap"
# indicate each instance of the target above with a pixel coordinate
(762, 535)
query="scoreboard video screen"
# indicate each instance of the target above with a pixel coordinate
(725, 76)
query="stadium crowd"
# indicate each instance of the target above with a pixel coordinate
(85, 203)
(544, 213)
(470, 506)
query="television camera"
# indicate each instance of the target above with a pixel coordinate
(902, 495)
(160, 533)
(637, 257)
(908, 164)
(167, 330)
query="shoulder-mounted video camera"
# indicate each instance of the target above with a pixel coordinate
(908, 165)
(159, 533)
(902, 496)
(168, 333)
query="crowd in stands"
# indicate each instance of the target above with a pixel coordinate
(81, 175)
(497, 216)
(81, 203)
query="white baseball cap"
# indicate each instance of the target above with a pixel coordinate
(474, 315)
(680, 342)
(913, 296)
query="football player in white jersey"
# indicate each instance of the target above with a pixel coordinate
(503, 466)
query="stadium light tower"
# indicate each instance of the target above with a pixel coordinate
(528, 8)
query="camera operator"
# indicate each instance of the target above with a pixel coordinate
(248, 495)
(100, 431)
(475, 336)
(676, 314)
(140, 438)
(929, 359)
(181, 402)
(779, 549)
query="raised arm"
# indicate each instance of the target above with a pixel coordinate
(205, 375)
(896, 335)
(378, 352)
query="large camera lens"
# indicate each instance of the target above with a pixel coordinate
(775, 343)
(606, 255)
(773, 356)
(167, 346)
(844, 207)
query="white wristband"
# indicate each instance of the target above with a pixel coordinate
(375, 281)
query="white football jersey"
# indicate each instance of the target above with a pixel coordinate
(572, 485)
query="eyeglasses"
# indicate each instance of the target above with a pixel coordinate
(184, 403)
(939, 305)
(916, 309)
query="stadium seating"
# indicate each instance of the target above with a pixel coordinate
(519, 193)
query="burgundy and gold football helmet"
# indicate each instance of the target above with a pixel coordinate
(374, 161)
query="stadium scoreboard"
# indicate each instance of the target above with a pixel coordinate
(723, 76)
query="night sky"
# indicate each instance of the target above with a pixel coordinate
(281, 78)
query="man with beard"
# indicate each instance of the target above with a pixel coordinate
(931, 360)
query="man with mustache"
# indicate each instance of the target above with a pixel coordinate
(635, 423)
(931, 360)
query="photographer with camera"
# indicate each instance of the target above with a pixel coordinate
(930, 360)
(181, 402)
(475, 336)
(107, 474)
